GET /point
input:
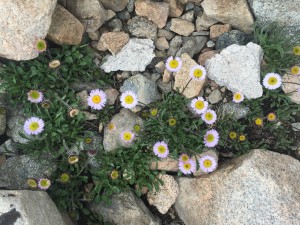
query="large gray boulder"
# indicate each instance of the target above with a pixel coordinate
(21, 23)
(261, 187)
(285, 13)
(28, 207)
(125, 209)
(238, 68)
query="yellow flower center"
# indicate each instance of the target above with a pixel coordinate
(73, 159)
(172, 122)
(173, 63)
(184, 158)
(272, 81)
(295, 70)
(199, 105)
(96, 99)
(44, 183)
(32, 183)
(271, 117)
(232, 135)
(153, 112)
(111, 126)
(207, 163)
(129, 99)
(114, 174)
(242, 138)
(127, 136)
(209, 116)
(210, 138)
(237, 96)
(34, 94)
(64, 178)
(161, 149)
(41, 45)
(258, 121)
(137, 127)
(187, 166)
(34, 126)
(198, 73)
(296, 50)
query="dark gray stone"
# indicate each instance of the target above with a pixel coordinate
(175, 45)
(233, 37)
(192, 45)
(124, 15)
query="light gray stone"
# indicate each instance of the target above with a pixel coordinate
(112, 95)
(15, 124)
(165, 33)
(296, 127)
(130, 6)
(236, 13)
(83, 96)
(167, 194)
(192, 45)
(162, 43)
(262, 185)
(15, 171)
(182, 27)
(115, 5)
(123, 121)
(238, 68)
(28, 207)
(189, 16)
(2, 120)
(233, 110)
(21, 23)
(134, 56)
(285, 13)
(141, 27)
(175, 45)
(89, 12)
(145, 89)
(9, 148)
(125, 209)
(291, 85)
(215, 96)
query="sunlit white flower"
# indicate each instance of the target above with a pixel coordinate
(129, 99)
(238, 97)
(187, 167)
(211, 138)
(198, 73)
(272, 81)
(173, 65)
(33, 125)
(199, 105)
(127, 136)
(161, 149)
(209, 116)
(207, 163)
(97, 99)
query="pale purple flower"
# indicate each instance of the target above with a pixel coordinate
(35, 96)
(272, 81)
(238, 97)
(187, 167)
(199, 105)
(207, 163)
(209, 116)
(173, 65)
(33, 125)
(184, 158)
(44, 183)
(127, 136)
(129, 99)
(211, 138)
(198, 73)
(161, 149)
(97, 99)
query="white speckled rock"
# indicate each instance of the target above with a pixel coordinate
(238, 68)
(182, 78)
(236, 13)
(125, 209)
(291, 84)
(134, 56)
(28, 208)
(167, 194)
(285, 13)
(261, 188)
(21, 23)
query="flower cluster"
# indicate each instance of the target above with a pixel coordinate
(42, 183)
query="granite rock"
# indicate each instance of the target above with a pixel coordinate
(182, 27)
(238, 68)
(175, 44)
(113, 41)
(134, 56)
(262, 185)
(114, 5)
(142, 28)
(291, 84)
(232, 37)
(21, 23)
(215, 96)
(192, 45)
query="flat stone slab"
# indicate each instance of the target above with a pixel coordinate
(28, 208)
(238, 68)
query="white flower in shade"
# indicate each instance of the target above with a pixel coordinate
(272, 81)
(187, 167)
(209, 116)
(160, 149)
(127, 136)
(173, 65)
(295, 70)
(33, 125)
(184, 158)
(198, 73)
(207, 163)
(211, 138)
(44, 183)
(35, 96)
(97, 99)
(199, 105)
(238, 97)
(40, 45)
(129, 99)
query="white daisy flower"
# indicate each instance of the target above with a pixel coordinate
(238, 97)
(199, 105)
(198, 73)
(209, 116)
(35, 96)
(97, 99)
(173, 65)
(207, 163)
(129, 99)
(272, 81)
(33, 125)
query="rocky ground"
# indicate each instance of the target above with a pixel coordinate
(132, 40)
